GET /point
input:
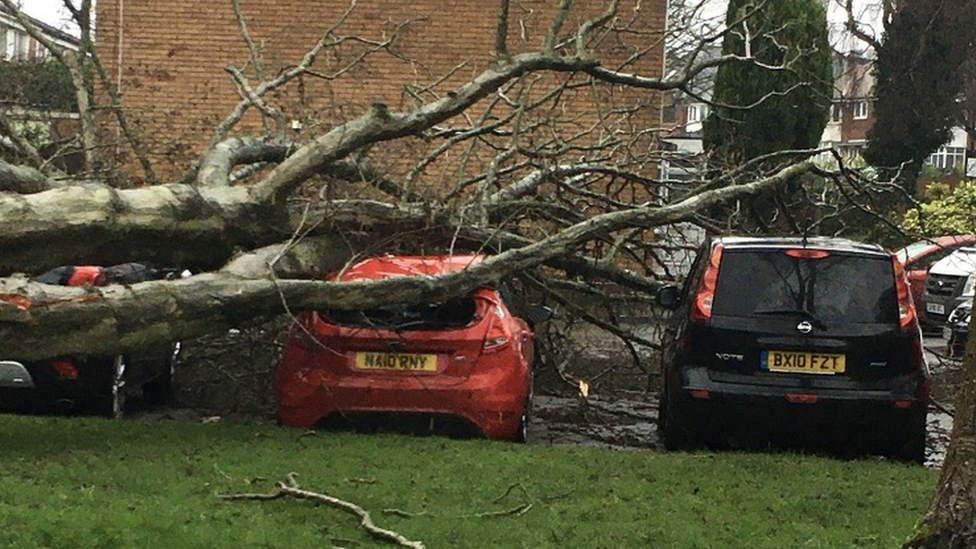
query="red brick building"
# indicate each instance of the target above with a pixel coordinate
(168, 59)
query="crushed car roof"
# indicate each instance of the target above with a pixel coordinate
(409, 265)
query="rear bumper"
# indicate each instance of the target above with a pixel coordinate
(937, 309)
(900, 391)
(493, 401)
(37, 386)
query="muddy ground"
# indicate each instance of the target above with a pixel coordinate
(233, 376)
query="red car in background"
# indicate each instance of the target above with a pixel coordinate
(919, 256)
(458, 367)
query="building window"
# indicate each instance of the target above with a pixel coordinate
(948, 158)
(695, 113)
(16, 44)
(668, 113)
(860, 110)
(836, 112)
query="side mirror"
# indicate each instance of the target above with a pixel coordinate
(668, 297)
(538, 313)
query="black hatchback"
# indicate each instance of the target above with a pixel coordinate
(809, 337)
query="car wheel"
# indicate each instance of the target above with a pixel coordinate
(907, 443)
(159, 390)
(672, 425)
(522, 433)
(111, 399)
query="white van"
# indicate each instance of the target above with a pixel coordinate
(950, 282)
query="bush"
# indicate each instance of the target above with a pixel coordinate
(944, 211)
(40, 85)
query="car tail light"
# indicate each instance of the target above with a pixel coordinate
(65, 369)
(804, 253)
(497, 338)
(701, 309)
(906, 311)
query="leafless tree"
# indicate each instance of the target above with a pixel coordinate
(501, 163)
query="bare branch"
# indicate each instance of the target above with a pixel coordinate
(292, 489)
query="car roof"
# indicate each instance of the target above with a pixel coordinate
(961, 261)
(409, 265)
(828, 243)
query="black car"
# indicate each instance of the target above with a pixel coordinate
(777, 337)
(956, 330)
(91, 383)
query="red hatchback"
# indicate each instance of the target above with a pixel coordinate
(462, 366)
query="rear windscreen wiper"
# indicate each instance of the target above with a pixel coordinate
(802, 313)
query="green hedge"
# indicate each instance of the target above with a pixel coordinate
(40, 85)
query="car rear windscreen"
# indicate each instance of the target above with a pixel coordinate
(840, 287)
(450, 314)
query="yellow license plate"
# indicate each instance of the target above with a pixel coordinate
(397, 361)
(806, 363)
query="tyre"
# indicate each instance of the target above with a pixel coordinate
(159, 389)
(522, 434)
(110, 400)
(906, 442)
(674, 425)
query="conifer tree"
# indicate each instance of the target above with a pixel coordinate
(779, 97)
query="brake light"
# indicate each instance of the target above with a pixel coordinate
(496, 338)
(808, 254)
(65, 369)
(906, 310)
(701, 310)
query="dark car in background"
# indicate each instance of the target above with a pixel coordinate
(918, 257)
(956, 330)
(84, 383)
(783, 337)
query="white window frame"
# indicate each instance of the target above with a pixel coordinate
(860, 109)
(694, 113)
(948, 158)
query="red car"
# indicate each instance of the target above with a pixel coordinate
(459, 367)
(919, 256)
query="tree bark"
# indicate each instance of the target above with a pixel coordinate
(950, 522)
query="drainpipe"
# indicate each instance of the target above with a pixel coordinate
(118, 75)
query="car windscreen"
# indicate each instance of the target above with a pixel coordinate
(446, 315)
(833, 287)
(912, 250)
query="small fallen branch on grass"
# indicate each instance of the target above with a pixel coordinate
(291, 488)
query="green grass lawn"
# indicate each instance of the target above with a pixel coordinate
(78, 483)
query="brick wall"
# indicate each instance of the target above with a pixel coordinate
(170, 60)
